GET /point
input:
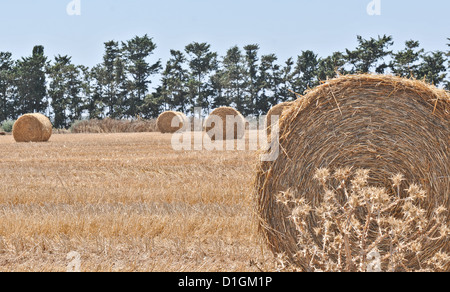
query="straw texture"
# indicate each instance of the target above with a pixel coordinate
(169, 118)
(32, 128)
(277, 110)
(383, 123)
(233, 129)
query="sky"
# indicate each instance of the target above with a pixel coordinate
(283, 27)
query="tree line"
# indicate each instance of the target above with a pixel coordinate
(119, 87)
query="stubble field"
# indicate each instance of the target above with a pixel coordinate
(126, 202)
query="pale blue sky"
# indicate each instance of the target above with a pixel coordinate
(283, 27)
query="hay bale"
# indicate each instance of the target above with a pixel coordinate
(233, 124)
(32, 128)
(386, 124)
(277, 110)
(169, 118)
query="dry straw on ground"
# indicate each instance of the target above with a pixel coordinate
(109, 125)
(32, 128)
(225, 123)
(276, 111)
(383, 123)
(171, 122)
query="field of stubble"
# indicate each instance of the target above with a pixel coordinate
(126, 202)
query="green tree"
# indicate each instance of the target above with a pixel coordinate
(202, 64)
(31, 83)
(305, 72)
(269, 76)
(136, 52)
(6, 86)
(329, 67)
(65, 91)
(152, 104)
(115, 80)
(404, 63)
(369, 55)
(251, 84)
(286, 81)
(432, 68)
(219, 90)
(233, 77)
(174, 92)
(95, 91)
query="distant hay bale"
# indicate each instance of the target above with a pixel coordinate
(225, 123)
(276, 110)
(172, 122)
(32, 128)
(386, 124)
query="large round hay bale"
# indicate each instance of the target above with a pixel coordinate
(225, 123)
(32, 128)
(385, 124)
(276, 110)
(171, 122)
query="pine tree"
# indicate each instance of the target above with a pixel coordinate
(174, 92)
(202, 64)
(31, 83)
(233, 77)
(251, 85)
(286, 82)
(94, 101)
(432, 69)
(269, 76)
(329, 67)
(110, 59)
(305, 72)
(6, 86)
(65, 89)
(369, 55)
(136, 52)
(404, 63)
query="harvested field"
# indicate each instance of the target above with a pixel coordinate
(126, 202)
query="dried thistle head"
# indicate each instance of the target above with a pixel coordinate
(340, 232)
(322, 175)
(397, 179)
(416, 193)
(361, 178)
(343, 174)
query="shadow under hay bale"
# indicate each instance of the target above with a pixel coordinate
(225, 123)
(172, 122)
(386, 124)
(32, 128)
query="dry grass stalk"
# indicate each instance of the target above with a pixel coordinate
(113, 126)
(32, 128)
(171, 122)
(356, 227)
(225, 123)
(126, 202)
(383, 123)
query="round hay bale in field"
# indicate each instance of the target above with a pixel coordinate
(277, 110)
(171, 122)
(385, 124)
(32, 128)
(225, 123)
